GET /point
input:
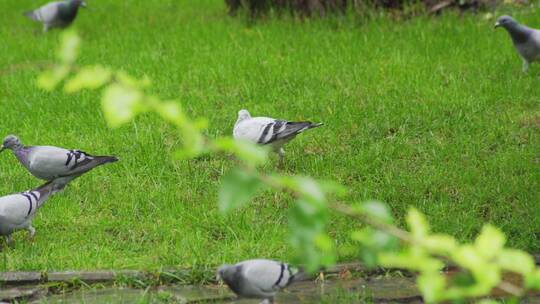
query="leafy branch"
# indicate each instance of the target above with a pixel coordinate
(481, 263)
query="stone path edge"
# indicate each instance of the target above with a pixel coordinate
(20, 278)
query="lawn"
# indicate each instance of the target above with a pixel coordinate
(429, 112)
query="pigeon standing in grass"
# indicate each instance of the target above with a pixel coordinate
(526, 40)
(58, 14)
(49, 163)
(17, 210)
(259, 279)
(269, 131)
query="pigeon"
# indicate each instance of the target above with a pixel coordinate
(49, 163)
(258, 279)
(269, 131)
(17, 210)
(526, 40)
(58, 14)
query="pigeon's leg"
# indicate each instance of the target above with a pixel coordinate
(268, 301)
(45, 28)
(31, 231)
(9, 240)
(525, 67)
(281, 154)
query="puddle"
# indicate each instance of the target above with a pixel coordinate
(349, 291)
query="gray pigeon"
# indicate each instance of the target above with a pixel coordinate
(259, 279)
(526, 40)
(49, 163)
(58, 14)
(269, 131)
(17, 210)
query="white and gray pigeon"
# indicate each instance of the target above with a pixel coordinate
(18, 210)
(49, 163)
(526, 40)
(258, 279)
(269, 131)
(58, 14)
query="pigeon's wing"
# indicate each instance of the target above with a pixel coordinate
(16, 208)
(51, 162)
(282, 130)
(266, 275)
(46, 14)
(253, 129)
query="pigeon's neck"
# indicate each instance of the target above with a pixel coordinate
(22, 154)
(68, 11)
(519, 33)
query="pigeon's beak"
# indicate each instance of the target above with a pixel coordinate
(497, 24)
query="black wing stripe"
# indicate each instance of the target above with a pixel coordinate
(277, 127)
(29, 202)
(280, 275)
(69, 155)
(34, 195)
(265, 133)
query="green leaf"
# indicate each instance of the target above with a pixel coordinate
(69, 47)
(236, 189)
(439, 244)
(121, 104)
(128, 80)
(417, 223)
(49, 79)
(248, 152)
(307, 222)
(171, 111)
(373, 242)
(90, 77)
(377, 210)
(490, 242)
(516, 261)
(432, 286)
(532, 280)
(308, 188)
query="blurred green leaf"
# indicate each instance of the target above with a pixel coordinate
(373, 242)
(171, 111)
(376, 210)
(69, 47)
(417, 223)
(121, 104)
(432, 286)
(516, 261)
(532, 280)
(90, 77)
(49, 79)
(248, 152)
(128, 80)
(488, 301)
(490, 242)
(236, 189)
(307, 221)
(439, 244)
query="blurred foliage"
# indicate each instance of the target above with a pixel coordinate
(381, 243)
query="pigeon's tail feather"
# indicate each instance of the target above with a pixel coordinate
(100, 160)
(32, 15)
(294, 128)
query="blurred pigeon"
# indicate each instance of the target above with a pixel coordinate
(58, 14)
(269, 131)
(48, 163)
(526, 40)
(260, 279)
(17, 210)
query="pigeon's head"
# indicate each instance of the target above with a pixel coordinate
(243, 114)
(225, 272)
(506, 22)
(10, 142)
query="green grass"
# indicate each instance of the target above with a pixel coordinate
(430, 112)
